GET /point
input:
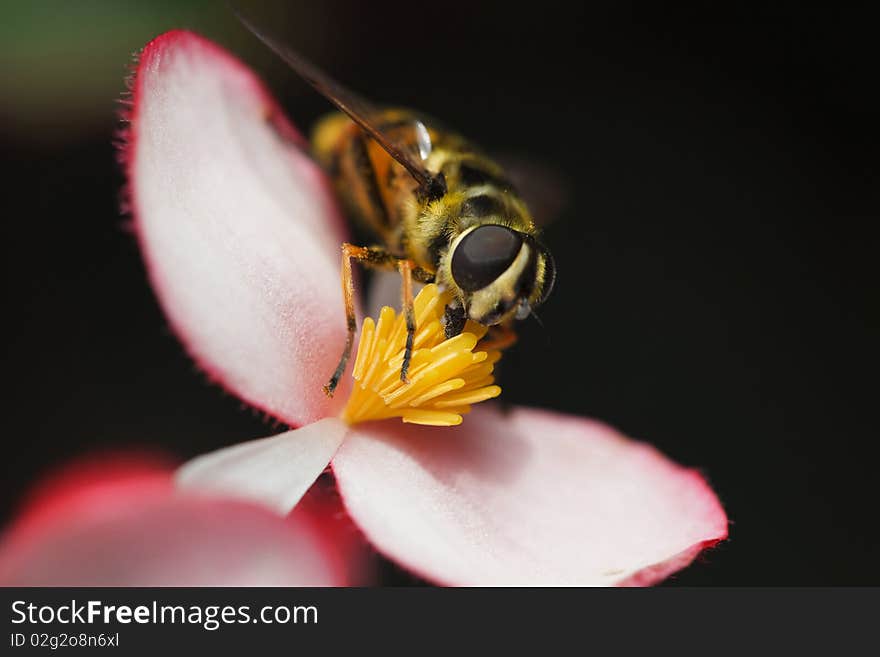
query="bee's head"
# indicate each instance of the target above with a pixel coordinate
(500, 272)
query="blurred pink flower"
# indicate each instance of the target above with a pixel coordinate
(121, 522)
(241, 237)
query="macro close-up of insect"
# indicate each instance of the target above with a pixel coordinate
(444, 211)
(386, 294)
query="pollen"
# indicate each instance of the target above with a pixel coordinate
(446, 376)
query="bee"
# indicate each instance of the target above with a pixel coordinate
(442, 210)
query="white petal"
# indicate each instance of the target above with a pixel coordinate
(529, 498)
(238, 228)
(274, 472)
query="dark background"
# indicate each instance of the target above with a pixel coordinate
(717, 291)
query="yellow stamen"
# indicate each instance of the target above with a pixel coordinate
(445, 376)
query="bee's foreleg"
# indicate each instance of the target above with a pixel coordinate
(405, 267)
(349, 251)
(375, 256)
(378, 258)
(498, 337)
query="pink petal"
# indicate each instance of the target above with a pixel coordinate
(531, 498)
(126, 526)
(346, 543)
(238, 227)
(274, 472)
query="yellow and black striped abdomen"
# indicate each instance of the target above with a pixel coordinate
(379, 192)
(376, 189)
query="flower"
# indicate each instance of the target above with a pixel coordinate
(241, 237)
(446, 375)
(120, 521)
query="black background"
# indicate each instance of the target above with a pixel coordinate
(717, 291)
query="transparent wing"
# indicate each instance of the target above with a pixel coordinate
(545, 190)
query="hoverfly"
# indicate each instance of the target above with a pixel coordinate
(443, 211)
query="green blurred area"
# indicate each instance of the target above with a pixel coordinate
(63, 64)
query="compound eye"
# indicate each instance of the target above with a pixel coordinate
(483, 255)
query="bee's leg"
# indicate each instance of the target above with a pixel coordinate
(454, 319)
(405, 267)
(377, 258)
(409, 271)
(498, 337)
(372, 256)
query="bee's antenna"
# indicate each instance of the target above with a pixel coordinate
(233, 7)
(538, 319)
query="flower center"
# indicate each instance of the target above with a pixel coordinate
(446, 376)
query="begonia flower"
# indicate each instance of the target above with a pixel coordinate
(241, 236)
(122, 522)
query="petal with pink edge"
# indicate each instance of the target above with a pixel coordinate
(528, 498)
(275, 472)
(130, 528)
(238, 227)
